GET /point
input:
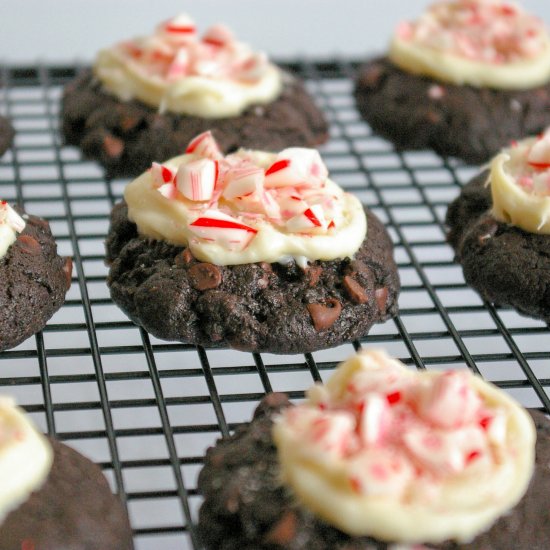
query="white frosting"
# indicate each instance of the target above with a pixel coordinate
(189, 75)
(403, 456)
(25, 457)
(276, 233)
(11, 223)
(520, 185)
(486, 43)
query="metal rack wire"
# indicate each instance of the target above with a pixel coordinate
(145, 409)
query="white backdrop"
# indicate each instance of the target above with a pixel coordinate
(65, 30)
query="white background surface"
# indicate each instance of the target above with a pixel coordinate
(66, 30)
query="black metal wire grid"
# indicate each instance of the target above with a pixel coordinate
(145, 409)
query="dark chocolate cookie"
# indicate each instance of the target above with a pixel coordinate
(246, 507)
(34, 282)
(417, 112)
(505, 264)
(73, 510)
(252, 307)
(6, 134)
(126, 137)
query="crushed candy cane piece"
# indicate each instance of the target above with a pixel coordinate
(243, 181)
(168, 190)
(218, 35)
(10, 217)
(196, 180)
(222, 229)
(309, 220)
(180, 25)
(162, 174)
(204, 145)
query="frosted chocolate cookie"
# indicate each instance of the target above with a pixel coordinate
(51, 497)
(464, 80)
(6, 135)
(257, 251)
(500, 228)
(34, 278)
(146, 98)
(381, 458)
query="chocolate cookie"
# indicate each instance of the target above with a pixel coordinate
(74, 509)
(505, 264)
(126, 137)
(246, 506)
(253, 307)
(417, 112)
(6, 134)
(34, 282)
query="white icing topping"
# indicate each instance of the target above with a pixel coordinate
(404, 456)
(247, 207)
(176, 70)
(483, 43)
(520, 184)
(11, 223)
(25, 457)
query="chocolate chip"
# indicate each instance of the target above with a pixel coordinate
(433, 117)
(381, 295)
(324, 315)
(68, 270)
(113, 147)
(371, 76)
(205, 276)
(29, 244)
(184, 258)
(355, 291)
(284, 531)
(313, 273)
(128, 122)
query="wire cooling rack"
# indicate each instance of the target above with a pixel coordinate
(146, 410)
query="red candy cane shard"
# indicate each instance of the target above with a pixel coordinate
(204, 145)
(312, 218)
(277, 166)
(539, 165)
(222, 224)
(182, 30)
(222, 229)
(167, 174)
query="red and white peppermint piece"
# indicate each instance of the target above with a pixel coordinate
(253, 68)
(168, 190)
(539, 155)
(10, 217)
(179, 66)
(196, 180)
(380, 472)
(451, 401)
(222, 229)
(374, 419)
(204, 145)
(296, 166)
(181, 26)
(162, 174)
(333, 433)
(243, 181)
(445, 452)
(311, 219)
(218, 36)
(291, 203)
